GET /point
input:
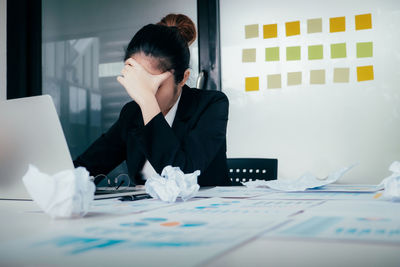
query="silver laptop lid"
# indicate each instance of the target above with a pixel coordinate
(30, 133)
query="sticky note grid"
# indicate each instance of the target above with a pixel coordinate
(272, 54)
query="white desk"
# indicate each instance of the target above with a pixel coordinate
(23, 219)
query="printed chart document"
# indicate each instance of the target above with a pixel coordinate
(115, 206)
(187, 234)
(347, 188)
(320, 195)
(233, 192)
(368, 221)
(378, 208)
(368, 229)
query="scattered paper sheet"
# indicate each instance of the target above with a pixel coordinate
(306, 181)
(358, 220)
(358, 208)
(115, 206)
(187, 234)
(232, 192)
(365, 229)
(349, 188)
(319, 196)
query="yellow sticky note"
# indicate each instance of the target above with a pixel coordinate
(270, 31)
(337, 24)
(274, 81)
(251, 31)
(292, 28)
(252, 84)
(365, 73)
(249, 55)
(363, 22)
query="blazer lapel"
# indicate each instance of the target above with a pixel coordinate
(186, 107)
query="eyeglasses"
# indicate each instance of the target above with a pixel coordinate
(119, 182)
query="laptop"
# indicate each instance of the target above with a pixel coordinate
(31, 133)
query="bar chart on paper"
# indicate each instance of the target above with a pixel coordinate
(320, 196)
(370, 229)
(248, 207)
(193, 230)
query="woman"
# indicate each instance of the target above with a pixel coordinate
(167, 123)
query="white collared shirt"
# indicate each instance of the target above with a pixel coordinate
(148, 170)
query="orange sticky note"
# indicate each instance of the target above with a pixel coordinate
(337, 24)
(270, 31)
(365, 73)
(252, 84)
(292, 28)
(363, 22)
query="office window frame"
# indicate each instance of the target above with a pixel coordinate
(24, 46)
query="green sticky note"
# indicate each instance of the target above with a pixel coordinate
(317, 77)
(341, 75)
(274, 81)
(249, 55)
(315, 52)
(272, 54)
(293, 78)
(251, 31)
(293, 53)
(338, 50)
(364, 49)
(314, 25)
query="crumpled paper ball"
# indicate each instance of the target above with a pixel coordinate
(171, 184)
(391, 184)
(66, 194)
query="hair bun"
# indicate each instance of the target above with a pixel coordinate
(184, 25)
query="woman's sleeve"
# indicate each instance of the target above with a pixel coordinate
(106, 153)
(198, 148)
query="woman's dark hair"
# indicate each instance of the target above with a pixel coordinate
(168, 41)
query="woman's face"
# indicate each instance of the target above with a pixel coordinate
(168, 92)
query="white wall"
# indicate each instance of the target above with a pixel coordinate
(309, 127)
(3, 49)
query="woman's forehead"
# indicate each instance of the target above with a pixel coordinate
(149, 63)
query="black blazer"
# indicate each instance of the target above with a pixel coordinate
(196, 141)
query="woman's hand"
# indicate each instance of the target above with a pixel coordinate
(139, 83)
(142, 86)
